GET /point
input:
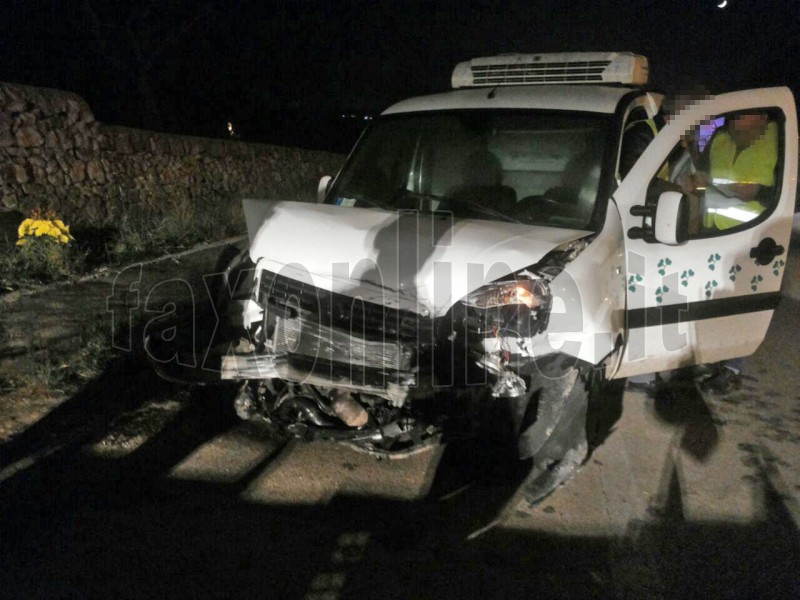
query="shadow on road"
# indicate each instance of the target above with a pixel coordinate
(81, 525)
(81, 419)
(679, 402)
(76, 523)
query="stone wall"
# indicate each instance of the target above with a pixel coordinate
(55, 155)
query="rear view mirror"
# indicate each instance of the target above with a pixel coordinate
(323, 187)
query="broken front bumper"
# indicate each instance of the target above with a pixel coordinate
(304, 351)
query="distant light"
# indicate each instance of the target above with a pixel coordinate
(231, 132)
(366, 118)
(723, 5)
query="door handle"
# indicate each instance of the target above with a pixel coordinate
(766, 251)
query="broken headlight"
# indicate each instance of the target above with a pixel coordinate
(532, 293)
(516, 306)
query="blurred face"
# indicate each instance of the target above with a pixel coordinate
(746, 129)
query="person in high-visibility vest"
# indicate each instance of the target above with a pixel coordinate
(741, 161)
(640, 131)
(635, 139)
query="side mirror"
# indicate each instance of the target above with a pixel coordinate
(671, 224)
(323, 187)
(665, 221)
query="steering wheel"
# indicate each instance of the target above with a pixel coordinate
(548, 204)
(536, 208)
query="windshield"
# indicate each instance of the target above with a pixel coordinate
(527, 167)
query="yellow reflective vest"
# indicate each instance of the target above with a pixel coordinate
(754, 165)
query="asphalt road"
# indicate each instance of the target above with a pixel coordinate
(139, 488)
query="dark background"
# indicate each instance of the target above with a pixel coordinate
(285, 72)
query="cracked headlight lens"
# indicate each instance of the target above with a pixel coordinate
(532, 293)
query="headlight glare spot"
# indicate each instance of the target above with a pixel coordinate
(531, 293)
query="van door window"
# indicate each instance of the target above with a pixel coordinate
(729, 167)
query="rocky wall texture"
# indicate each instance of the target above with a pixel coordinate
(55, 155)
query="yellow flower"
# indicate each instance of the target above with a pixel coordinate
(22, 242)
(60, 224)
(44, 224)
(24, 227)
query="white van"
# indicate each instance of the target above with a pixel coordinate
(481, 254)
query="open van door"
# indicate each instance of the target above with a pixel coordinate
(704, 268)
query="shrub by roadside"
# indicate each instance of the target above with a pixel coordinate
(44, 251)
(48, 371)
(46, 258)
(183, 227)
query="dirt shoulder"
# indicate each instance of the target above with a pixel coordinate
(57, 338)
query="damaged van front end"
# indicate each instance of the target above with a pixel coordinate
(387, 329)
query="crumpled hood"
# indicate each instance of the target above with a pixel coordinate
(404, 259)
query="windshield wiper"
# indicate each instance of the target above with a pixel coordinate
(362, 202)
(473, 205)
(480, 208)
(369, 202)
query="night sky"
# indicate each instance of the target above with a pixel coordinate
(284, 71)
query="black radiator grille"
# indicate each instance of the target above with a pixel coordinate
(363, 319)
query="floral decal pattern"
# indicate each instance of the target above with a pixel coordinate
(685, 276)
(712, 262)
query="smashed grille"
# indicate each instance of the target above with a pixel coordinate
(362, 319)
(296, 336)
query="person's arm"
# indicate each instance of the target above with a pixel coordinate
(743, 191)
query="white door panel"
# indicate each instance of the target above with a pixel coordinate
(707, 299)
(679, 345)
